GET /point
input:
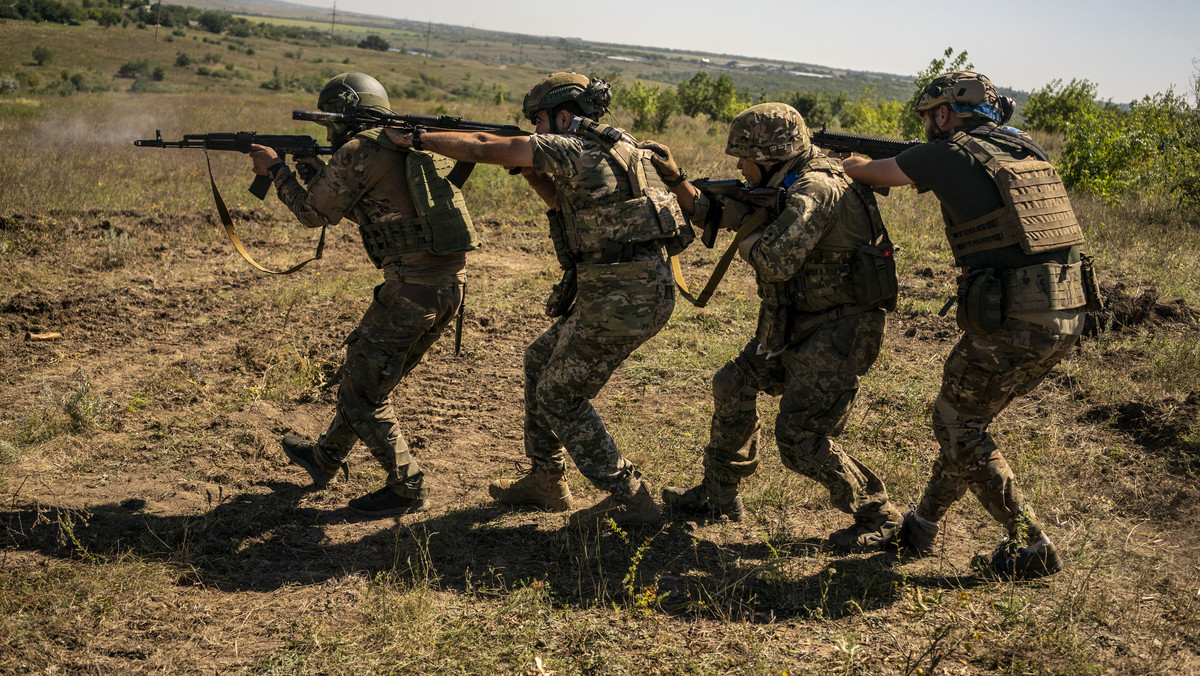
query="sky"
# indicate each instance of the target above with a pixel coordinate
(1128, 49)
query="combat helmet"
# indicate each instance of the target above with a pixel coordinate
(592, 96)
(767, 134)
(971, 96)
(350, 94)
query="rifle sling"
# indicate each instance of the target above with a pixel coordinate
(227, 222)
(753, 223)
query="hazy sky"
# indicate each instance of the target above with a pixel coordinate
(1129, 49)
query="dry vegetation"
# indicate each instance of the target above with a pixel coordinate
(150, 522)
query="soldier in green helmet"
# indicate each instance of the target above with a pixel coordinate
(825, 276)
(1021, 301)
(613, 224)
(415, 227)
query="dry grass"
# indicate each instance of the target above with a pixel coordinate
(150, 523)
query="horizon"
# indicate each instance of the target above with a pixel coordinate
(1091, 39)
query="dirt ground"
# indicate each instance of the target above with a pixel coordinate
(169, 336)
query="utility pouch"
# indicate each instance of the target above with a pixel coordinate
(619, 301)
(1091, 288)
(773, 326)
(562, 296)
(980, 302)
(875, 278)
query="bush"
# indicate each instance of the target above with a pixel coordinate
(719, 99)
(135, 69)
(183, 60)
(652, 107)
(42, 55)
(374, 42)
(1054, 108)
(912, 126)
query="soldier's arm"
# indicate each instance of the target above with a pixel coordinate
(779, 253)
(478, 147)
(876, 173)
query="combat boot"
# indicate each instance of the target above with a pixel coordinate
(1037, 560)
(542, 488)
(711, 499)
(915, 537)
(868, 532)
(636, 510)
(387, 502)
(309, 456)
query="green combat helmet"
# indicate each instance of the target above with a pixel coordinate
(349, 94)
(767, 134)
(592, 96)
(971, 96)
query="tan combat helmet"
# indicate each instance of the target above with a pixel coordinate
(350, 93)
(971, 96)
(592, 96)
(767, 134)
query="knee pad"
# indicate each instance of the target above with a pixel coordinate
(730, 387)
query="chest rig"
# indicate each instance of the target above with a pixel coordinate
(641, 210)
(442, 225)
(847, 266)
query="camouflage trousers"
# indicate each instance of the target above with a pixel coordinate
(567, 366)
(400, 325)
(817, 381)
(983, 374)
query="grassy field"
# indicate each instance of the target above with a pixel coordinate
(151, 523)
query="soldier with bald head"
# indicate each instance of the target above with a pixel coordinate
(825, 276)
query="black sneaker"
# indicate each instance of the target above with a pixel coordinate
(1037, 560)
(306, 454)
(387, 502)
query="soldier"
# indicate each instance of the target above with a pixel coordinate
(1020, 300)
(613, 225)
(825, 275)
(415, 226)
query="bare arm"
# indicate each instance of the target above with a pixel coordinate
(478, 147)
(876, 173)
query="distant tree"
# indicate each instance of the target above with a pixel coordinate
(911, 126)
(819, 109)
(652, 107)
(719, 99)
(1055, 107)
(374, 42)
(42, 55)
(108, 17)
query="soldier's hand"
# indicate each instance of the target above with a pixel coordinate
(307, 168)
(663, 161)
(401, 137)
(733, 212)
(263, 157)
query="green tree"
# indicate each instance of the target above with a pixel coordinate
(374, 42)
(694, 93)
(652, 107)
(1055, 107)
(42, 55)
(819, 109)
(911, 126)
(871, 114)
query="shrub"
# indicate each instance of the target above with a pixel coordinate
(911, 126)
(183, 60)
(134, 69)
(42, 55)
(1054, 107)
(374, 42)
(652, 107)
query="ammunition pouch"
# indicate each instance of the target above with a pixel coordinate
(875, 281)
(653, 216)
(559, 239)
(1091, 288)
(562, 295)
(602, 316)
(986, 297)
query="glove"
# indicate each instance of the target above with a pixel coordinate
(733, 212)
(664, 163)
(307, 168)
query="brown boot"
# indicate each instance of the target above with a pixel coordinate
(915, 537)
(308, 455)
(710, 499)
(545, 489)
(637, 510)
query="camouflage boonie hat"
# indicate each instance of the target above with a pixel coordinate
(593, 96)
(768, 133)
(969, 95)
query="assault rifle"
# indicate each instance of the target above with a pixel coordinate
(284, 145)
(875, 147)
(458, 175)
(771, 199)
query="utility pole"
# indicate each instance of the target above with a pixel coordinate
(332, 19)
(428, 30)
(158, 21)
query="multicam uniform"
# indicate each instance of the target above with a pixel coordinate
(1020, 304)
(416, 228)
(616, 221)
(820, 329)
